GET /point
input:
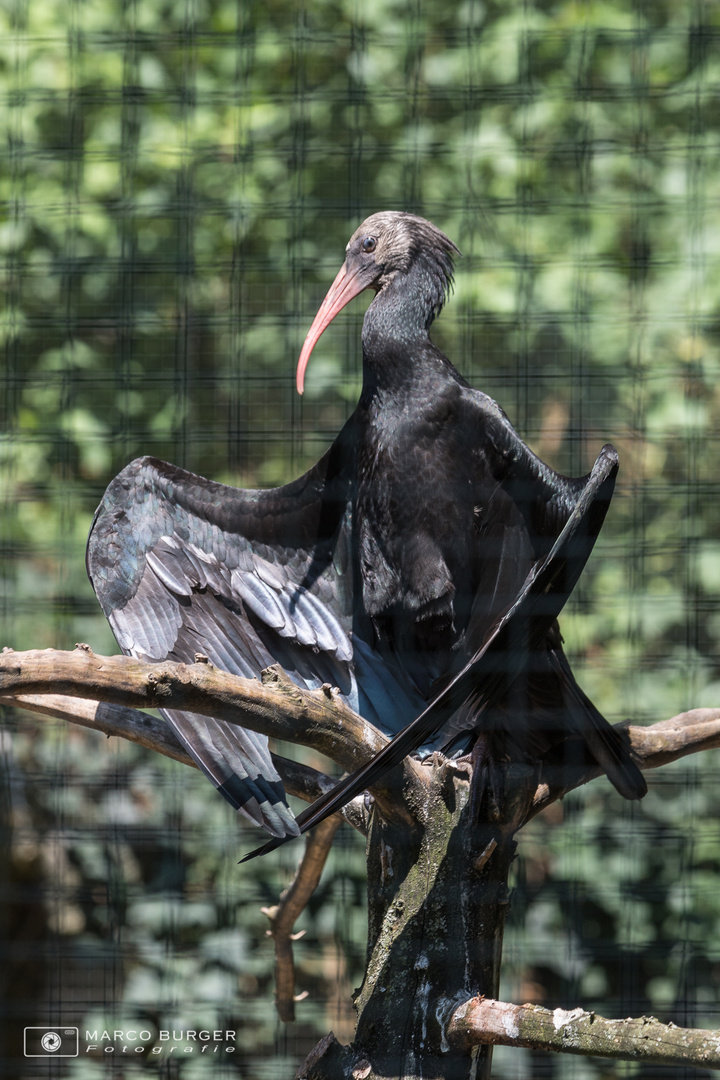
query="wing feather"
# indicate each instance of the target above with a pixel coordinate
(182, 566)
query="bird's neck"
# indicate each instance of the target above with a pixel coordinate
(397, 350)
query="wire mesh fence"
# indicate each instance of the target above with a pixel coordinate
(178, 183)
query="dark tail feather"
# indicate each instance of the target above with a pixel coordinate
(603, 741)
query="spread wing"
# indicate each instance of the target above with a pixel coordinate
(522, 506)
(182, 566)
(536, 517)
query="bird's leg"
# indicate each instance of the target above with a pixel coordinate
(486, 784)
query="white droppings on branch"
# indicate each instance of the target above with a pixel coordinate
(562, 1017)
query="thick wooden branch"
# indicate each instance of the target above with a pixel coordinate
(669, 740)
(56, 683)
(481, 1021)
(289, 907)
(275, 707)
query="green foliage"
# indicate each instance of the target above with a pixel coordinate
(177, 187)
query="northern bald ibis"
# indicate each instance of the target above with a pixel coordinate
(419, 566)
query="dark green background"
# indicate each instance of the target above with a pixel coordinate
(177, 184)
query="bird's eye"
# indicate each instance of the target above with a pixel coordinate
(369, 244)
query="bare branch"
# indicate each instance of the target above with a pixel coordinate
(669, 740)
(482, 1020)
(275, 707)
(154, 734)
(291, 904)
(138, 727)
(652, 746)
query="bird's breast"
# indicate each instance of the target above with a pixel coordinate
(414, 522)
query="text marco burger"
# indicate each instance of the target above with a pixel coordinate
(168, 1040)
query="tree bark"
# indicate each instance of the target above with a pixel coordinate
(643, 1038)
(54, 682)
(274, 706)
(437, 901)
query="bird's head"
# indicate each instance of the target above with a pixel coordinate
(386, 246)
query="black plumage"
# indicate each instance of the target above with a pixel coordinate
(419, 566)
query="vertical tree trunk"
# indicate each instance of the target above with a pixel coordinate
(438, 897)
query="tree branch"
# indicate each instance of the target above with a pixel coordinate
(652, 746)
(275, 707)
(291, 904)
(155, 734)
(138, 727)
(482, 1020)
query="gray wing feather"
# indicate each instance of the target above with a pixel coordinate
(258, 597)
(182, 566)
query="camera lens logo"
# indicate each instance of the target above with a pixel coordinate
(51, 1042)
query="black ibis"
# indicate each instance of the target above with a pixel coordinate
(419, 566)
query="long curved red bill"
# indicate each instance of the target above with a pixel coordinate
(344, 288)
